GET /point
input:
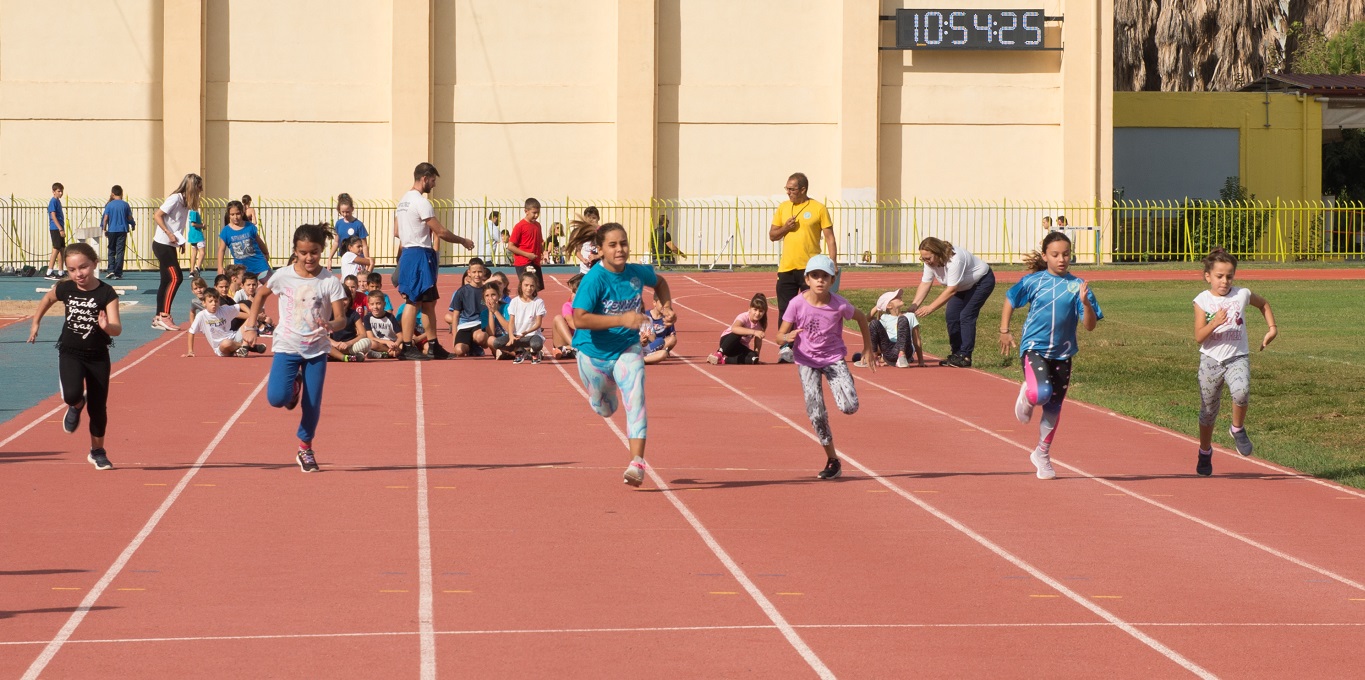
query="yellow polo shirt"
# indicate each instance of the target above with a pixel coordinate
(799, 246)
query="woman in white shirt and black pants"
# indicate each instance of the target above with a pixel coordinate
(968, 282)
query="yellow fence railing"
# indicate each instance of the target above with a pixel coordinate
(734, 233)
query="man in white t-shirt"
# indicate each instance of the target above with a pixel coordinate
(414, 225)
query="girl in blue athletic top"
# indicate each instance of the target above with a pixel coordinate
(607, 313)
(1057, 302)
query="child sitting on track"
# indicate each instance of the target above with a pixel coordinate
(607, 316)
(381, 329)
(349, 343)
(495, 326)
(563, 324)
(743, 340)
(236, 274)
(91, 323)
(1221, 331)
(814, 324)
(658, 336)
(312, 304)
(1057, 302)
(243, 298)
(895, 335)
(197, 286)
(374, 283)
(214, 322)
(465, 312)
(527, 315)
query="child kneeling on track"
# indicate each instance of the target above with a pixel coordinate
(214, 321)
(1220, 329)
(381, 329)
(312, 305)
(526, 312)
(465, 312)
(895, 335)
(1058, 301)
(659, 335)
(88, 329)
(814, 325)
(563, 324)
(350, 343)
(607, 315)
(743, 340)
(243, 298)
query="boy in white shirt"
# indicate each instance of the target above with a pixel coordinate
(214, 321)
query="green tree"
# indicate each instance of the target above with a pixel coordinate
(1340, 54)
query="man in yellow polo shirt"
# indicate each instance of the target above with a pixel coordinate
(799, 224)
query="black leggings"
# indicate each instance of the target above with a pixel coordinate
(168, 260)
(82, 377)
(735, 351)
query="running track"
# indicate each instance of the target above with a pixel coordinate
(470, 521)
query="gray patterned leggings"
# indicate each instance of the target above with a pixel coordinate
(1235, 372)
(840, 385)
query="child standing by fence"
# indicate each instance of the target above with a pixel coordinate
(312, 305)
(608, 319)
(814, 325)
(196, 242)
(1220, 329)
(92, 321)
(1058, 301)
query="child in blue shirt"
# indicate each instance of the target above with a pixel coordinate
(56, 228)
(348, 225)
(1058, 301)
(116, 221)
(243, 240)
(659, 336)
(196, 241)
(607, 316)
(465, 314)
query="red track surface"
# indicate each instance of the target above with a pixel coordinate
(952, 561)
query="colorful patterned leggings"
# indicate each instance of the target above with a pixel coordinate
(840, 385)
(1045, 384)
(601, 377)
(1213, 374)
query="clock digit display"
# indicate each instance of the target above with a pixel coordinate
(970, 29)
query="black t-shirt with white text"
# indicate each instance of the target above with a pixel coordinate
(81, 332)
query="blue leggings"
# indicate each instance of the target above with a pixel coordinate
(601, 377)
(281, 387)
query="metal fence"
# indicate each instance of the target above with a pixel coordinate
(727, 234)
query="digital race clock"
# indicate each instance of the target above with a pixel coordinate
(969, 29)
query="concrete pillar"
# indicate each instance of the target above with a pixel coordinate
(182, 92)
(413, 69)
(636, 101)
(1087, 100)
(859, 110)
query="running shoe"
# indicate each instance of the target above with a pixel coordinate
(413, 353)
(242, 351)
(52, 276)
(1043, 462)
(716, 359)
(307, 461)
(99, 459)
(297, 393)
(833, 468)
(373, 355)
(266, 331)
(1023, 410)
(785, 355)
(947, 361)
(1205, 465)
(902, 362)
(535, 357)
(521, 356)
(567, 352)
(1242, 440)
(959, 361)
(353, 358)
(72, 421)
(635, 473)
(258, 348)
(437, 351)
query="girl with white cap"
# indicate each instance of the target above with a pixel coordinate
(895, 333)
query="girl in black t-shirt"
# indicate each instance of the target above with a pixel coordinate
(92, 319)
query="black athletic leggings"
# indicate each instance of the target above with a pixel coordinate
(735, 351)
(83, 377)
(168, 260)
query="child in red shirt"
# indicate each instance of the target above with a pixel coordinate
(527, 244)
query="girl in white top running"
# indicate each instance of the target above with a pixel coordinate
(1220, 329)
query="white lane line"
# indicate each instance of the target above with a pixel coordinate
(77, 616)
(1155, 428)
(425, 619)
(986, 543)
(684, 629)
(54, 411)
(793, 638)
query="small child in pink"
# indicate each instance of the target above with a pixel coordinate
(742, 341)
(563, 324)
(814, 323)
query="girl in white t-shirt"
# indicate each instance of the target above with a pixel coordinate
(1220, 329)
(353, 260)
(742, 342)
(312, 305)
(172, 219)
(526, 313)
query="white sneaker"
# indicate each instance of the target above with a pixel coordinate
(1043, 462)
(785, 355)
(902, 362)
(242, 351)
(635, 473)
(1022, 409)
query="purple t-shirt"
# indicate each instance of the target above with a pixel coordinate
(821, 340)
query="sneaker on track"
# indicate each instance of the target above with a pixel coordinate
(567, 352)
(785, 355)
(1022, 409)
(307, 461)
(99, 459)
(1205, 465)
(635, 473)
(902, 362)
(716, 359)
(297, 393)
(72, 421)
(959, 361)
(1043, 462)
(535, 357)
(833, 468)
(1242, 440)
(438, 352)
(242, 351)
(521, 356)
(258, 348)
(413, 353)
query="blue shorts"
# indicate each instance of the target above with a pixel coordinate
(656, 345)
(417, 274)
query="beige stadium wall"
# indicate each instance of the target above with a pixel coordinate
(596, 99)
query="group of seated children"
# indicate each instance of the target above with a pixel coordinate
(218, 313)
(371, 330)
